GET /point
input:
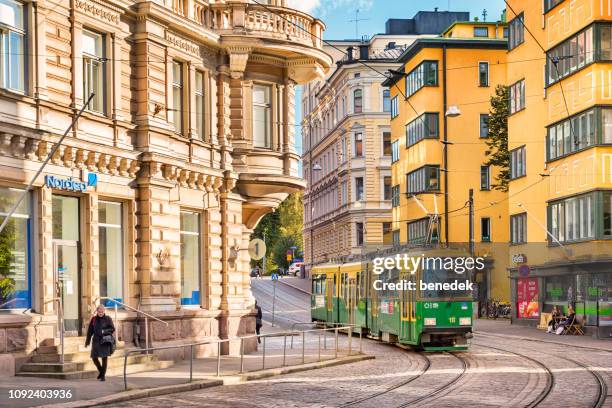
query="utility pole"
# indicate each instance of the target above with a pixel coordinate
(264, 257)
(471, 207)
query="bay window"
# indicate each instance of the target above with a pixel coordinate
(426, 178)
(262, 116)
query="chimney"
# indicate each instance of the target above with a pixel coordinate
(349, 53)
(435, 9)
(363, 51)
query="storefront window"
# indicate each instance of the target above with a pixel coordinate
(14, 251)
(111, 251)
(560, 291)
(190, 258)
(65, 218)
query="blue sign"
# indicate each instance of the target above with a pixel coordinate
(70, 184)
(275, 276)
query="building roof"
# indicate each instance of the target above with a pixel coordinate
(440, 42)
(389, 53)
(474, 23)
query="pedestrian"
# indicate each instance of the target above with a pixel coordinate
(101, 329)
(555, 317)
(568, 321)
(258, 321)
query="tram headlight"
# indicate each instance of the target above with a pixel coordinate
(465, 321)
(429, 321)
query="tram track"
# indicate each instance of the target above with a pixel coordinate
(602, 388)
(550, 377)
(446, 387)
(393, 387)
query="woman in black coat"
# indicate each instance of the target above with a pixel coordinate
(99, 326)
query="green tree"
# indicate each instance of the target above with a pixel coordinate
(283, 229)
(497, 141)
(7, 243)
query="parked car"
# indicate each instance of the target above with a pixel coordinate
(294, 268)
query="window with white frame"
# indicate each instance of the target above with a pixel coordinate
(572, 219)
(358, 145)
(518, 228)
(386, 100)
(395, 151)
(484, 125)
(518, 162)
(199, 100)
(516, 32)
(485, 183)
(177, 96)
(517, 96)
(93, 70)
(359, 191)
(394, 107)
(357, 101)
(262, 116)
(483, 73)
(12, 45)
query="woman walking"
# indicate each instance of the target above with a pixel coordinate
(101, 328)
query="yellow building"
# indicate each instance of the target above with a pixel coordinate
(438, 158)
(560, 131)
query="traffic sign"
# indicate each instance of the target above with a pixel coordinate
(275, 276)
(257, 249)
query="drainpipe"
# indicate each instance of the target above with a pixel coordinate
(445, 158)
(310, 183)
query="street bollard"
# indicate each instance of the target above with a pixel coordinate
(191, 363)
(350, 341)
(360, 341)
(147, 334)
(336, 353)
(285, 348)
(303, 347)
(263, 361)
(319, 347)
(241, 355)
(325, 338)
(218, 359)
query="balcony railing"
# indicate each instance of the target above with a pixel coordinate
(252, 19)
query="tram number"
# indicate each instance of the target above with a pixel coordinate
(452, 319)
(428, 305)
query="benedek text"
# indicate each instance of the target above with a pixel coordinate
(410, 285)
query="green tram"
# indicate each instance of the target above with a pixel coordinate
(431, 320)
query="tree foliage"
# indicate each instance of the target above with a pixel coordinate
(283, 229)
(497, 141)
(7, 243)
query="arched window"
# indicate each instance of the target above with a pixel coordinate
(357, 101)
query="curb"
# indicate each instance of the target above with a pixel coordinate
(196, 385)
(295, 287)
(510, 336)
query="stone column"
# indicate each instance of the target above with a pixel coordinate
(40, 45)
(91, 265)
(47, 289)
(158, 240)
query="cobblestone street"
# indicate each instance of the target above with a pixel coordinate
(495, 372)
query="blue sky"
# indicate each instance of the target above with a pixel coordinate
(337, 13)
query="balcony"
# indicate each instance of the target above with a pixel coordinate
(271, 29)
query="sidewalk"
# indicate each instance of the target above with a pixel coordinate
(303, 285)
(176, 377)
(503, 328)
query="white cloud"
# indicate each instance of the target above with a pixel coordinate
(307, 6)
(323, 7)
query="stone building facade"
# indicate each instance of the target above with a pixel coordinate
(150, 200)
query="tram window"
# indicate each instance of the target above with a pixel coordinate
(442, 276)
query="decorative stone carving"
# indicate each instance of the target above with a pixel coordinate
(239, 57)
(183, 44)
(96, 10)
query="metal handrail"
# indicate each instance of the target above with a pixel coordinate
(333, 324)
(264, 336)
(131, 308)
(146, 317)
(60, 324)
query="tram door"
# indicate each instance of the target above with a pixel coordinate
(352, 300)
(329, 292)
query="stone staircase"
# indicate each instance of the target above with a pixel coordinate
(77, 363)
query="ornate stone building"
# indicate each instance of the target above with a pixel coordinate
(187, 142)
